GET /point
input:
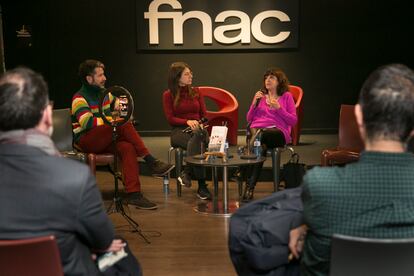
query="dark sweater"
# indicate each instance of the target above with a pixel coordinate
(188, 108)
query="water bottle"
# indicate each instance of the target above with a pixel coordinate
(257, 147)
(166, 184)
(226, 148)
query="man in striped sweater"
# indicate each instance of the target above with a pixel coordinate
(91, 134)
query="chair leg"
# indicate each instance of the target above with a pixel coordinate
(170, 154)
(276, 154)
(240, 186)
(169, 173)
(92, 163)
(166, 179)
(178, 168)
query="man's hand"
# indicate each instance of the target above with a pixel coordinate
(296, 240)
(115, 246)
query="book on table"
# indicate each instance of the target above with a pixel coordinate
(217, 139)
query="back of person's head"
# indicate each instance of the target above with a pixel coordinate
(87, 68)
(23, 97)
(387, 102)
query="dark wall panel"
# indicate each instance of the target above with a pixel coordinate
(340, 43)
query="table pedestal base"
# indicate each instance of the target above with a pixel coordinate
(212, 208)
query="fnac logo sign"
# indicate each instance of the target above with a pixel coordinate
(173, 24)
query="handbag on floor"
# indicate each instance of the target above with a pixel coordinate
(293, 172)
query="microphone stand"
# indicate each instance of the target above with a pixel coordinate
(117, 204)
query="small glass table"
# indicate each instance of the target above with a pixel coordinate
(224, 207)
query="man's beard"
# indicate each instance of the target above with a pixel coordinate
(98, 85)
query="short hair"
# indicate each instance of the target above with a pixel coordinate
(87, 68)
(387, 101)
(23, 97)
(282, 79)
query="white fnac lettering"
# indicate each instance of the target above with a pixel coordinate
(244, 27)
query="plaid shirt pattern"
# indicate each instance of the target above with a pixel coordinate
(373, 197)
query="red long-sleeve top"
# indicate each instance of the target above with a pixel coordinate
(187, 108)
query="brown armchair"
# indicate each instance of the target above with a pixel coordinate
(37, 256)
(350, 143)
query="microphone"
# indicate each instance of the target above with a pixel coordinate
(258, 99)
(257, 102)
(201, 121)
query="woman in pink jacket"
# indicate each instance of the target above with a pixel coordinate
(272, 110)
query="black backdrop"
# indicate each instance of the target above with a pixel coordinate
(340, 42)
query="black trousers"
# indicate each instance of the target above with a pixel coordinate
(191, 142)
(269, 138)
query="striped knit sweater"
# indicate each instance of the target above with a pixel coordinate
(85, 110)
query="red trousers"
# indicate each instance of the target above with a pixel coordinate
(129, 146)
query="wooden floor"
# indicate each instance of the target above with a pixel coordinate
(184, 242)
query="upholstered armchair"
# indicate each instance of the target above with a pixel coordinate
(350, 143)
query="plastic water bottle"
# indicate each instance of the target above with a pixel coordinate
(166, 184)
(257, 147)
(226, 148)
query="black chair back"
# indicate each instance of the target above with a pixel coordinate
(362, 256)
(62, 129)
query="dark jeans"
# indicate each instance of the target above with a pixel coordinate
(270, 138)
(191, 142)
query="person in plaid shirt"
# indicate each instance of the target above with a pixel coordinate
(374, 197)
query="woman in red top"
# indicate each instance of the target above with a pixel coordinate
(184, 107)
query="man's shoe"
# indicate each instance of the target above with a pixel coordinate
(185, 179)
(159, 168)
(203, 193)
(138, 200)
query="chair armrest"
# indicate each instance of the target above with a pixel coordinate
(331, 157)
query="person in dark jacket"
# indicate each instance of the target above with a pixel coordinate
(259, 235)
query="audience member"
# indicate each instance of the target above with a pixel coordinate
(374, 197)
(91, 134)
(44, 194)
